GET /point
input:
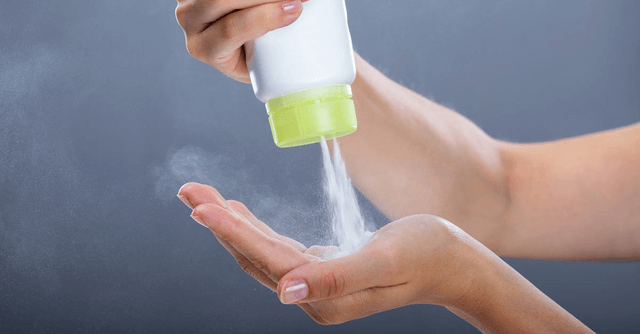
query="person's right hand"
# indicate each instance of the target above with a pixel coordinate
(216, 30)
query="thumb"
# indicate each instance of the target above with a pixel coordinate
(331, 279)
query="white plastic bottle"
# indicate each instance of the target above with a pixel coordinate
(303, 72)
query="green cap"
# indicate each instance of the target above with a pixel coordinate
(305, 116)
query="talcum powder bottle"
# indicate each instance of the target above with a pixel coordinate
(303, 72)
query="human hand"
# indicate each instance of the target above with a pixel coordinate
(216, 30)
(418, 259)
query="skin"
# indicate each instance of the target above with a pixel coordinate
(572, 199)
(396, 268)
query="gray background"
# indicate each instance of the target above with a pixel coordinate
(103, 115)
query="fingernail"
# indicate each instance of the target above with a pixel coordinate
(199, 220)
(295, 291)
(291, 7)
(185, 201)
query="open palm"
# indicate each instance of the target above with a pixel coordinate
(381, 276)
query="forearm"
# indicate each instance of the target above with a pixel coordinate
(500, 300)
(577, 198)
(411, 156)
(571, 199)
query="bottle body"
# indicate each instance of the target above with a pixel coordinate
(302, 73)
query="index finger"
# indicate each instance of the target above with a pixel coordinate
(194, 194)
(273, 257)
(243, 210)
(196, 16)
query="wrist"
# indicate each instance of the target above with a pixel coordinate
(468, 273)
(499, 299)
(457, 268)
(482, 283)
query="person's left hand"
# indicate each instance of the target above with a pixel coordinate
(418, 259)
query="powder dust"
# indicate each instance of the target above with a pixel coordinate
(347, 222)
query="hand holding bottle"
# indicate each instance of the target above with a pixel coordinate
(217, 30)
(302, 72)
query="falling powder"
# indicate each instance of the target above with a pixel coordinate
(349, 231)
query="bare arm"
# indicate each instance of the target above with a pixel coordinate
(577, 198)
(410, 155)
(500, 300)
(571, 199)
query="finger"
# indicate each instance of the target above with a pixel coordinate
(242, 209)
(225, 36)
(313, 313)
(194, 194)
(335, 278)
(267, 254)
(322, 252)
(248, 267)
(361, 304)
(195, 16)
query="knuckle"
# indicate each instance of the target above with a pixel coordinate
(237, 205)
(181, 14)
(259, 265)
(262, 267)
(244, 264)
(201, 210)
(204, 211)
(228, 28)
(226, 225)
(194, 48)
(231, 227)
(332, 284)
(250, 268)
